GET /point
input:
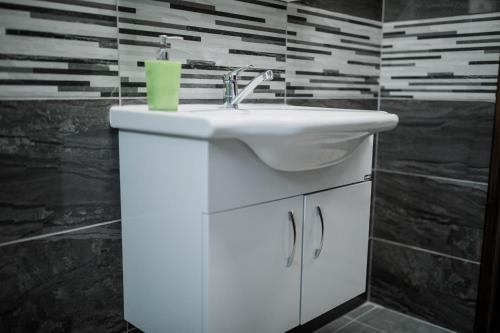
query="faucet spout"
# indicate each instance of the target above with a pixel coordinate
(266, 76)
(231, 97)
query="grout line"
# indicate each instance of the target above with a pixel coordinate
(377, 306)
(371, 222)
(374, 306)
(371, 327)
(374, 162)
(343, 326)
(27, 239)
(118, 51)
(382, 19)
(403, 173)
(286, 53)
(425, 250)
(352, 320)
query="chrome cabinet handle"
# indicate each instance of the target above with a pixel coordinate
(289, 260)
(317, 251)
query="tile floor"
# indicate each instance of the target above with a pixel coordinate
(373, 318)
(370, 318)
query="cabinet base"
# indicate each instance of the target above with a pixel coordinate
(330, 316)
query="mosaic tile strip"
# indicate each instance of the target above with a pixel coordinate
(219, 35)
(331, 55)
(452, 58)
(58, 48)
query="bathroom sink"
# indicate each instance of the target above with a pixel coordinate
(287, 138)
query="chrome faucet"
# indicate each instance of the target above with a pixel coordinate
(231, 95)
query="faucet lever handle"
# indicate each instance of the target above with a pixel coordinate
(165, 38)
(233, 75)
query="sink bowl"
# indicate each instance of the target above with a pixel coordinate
(287, 138)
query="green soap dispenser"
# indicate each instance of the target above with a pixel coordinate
(163, 79)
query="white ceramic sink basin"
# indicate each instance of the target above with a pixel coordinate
(288, 138)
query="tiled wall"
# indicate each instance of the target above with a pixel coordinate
(63, 64)
(331, 55)
(60, 244)
(218, 36)
(438, 73)
(452, 58)
(58, 49)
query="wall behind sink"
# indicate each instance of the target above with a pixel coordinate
(333, 53)
(63, 64)
(439, 75)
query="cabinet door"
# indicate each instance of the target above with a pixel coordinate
(254, 268)
(334, 267)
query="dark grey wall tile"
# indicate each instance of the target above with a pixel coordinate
(58, 166)
(66, 283)
(370, 9)
(360, 104)
(399, 10)
(441, 138)
(438, 289)
(438, 215)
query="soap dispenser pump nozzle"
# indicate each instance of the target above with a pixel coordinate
(164, 45)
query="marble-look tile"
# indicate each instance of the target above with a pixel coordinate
(58, 49)
(66, 283)
(331, 55)
(438, 289)
(451, 58)
(219, 36)
(370, 9)
(441, 138)
(394, 322)
(435, 214)
(398, 10)
(58, 166)
(359, 104)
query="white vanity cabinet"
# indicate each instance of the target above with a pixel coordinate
(253, 265)
(207, 234)
(335, 248)
(257, 255)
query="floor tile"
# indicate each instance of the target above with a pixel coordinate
(395, 322)
(334, 325)
(360, 310)
(356, 327)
